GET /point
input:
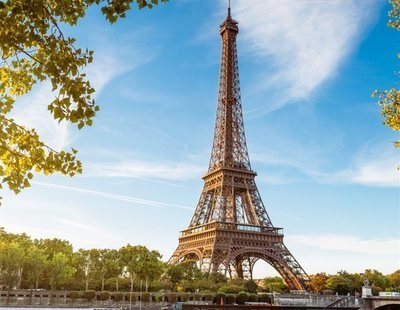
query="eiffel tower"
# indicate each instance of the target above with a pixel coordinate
(230, 229)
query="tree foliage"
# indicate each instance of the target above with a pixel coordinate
(35, 264)
(275, 284)
(59, 270)
(11, 261)
(251, 286)
(34, 49)
(53, 264)
(242, 298)
(377, 280)
(184, 276)
(394, 280)
(318, 282)
(339, 283)
(389, 100)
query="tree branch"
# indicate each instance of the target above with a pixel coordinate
(50, 149)
(27, 54)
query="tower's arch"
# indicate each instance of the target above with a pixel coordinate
(191, 254)
(244, 260)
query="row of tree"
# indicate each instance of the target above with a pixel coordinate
(52, 264)
(344, 282)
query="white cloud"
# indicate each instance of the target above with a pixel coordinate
(299, 44)
(331, 253)
(375, 166)
(334, 252)
(345, 243)
(379, 172)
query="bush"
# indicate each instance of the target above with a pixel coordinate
(253, 298)
(187, 286)
(242, 297)
(158, 298)
(132, 296)
(197, 297)
(74, 294)
(220, 298)
(104, 295)
(230, 299)
(231, 289)
(124, 284)
(184, 296)
(376, 289)
(145, 297)
(264, 298)
(117, 296)
(209, 297)
(172, 298)
(251, 286)
(89, 295)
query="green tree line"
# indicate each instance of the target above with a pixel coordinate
(344, 282)
(52, 264)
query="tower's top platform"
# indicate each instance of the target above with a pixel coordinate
(229, 22)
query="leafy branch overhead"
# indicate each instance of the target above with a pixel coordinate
(34, 49)
(389, 100)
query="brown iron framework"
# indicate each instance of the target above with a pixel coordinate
(230, 229)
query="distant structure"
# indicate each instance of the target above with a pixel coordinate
(230, 229)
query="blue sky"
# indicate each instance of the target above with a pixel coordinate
(326, 167)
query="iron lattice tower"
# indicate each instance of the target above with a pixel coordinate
(230, 229)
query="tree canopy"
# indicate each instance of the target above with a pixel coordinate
(27, 263)
(34, 49)
(389, 100)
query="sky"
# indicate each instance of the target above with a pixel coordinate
(326, 166)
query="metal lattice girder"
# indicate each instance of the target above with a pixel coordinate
(230, 229)
(229, 146)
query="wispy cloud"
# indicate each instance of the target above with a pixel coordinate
(377, 166)
(295, 160)
(130, 199)
(306, 162)
(346, 243)
(145, 169)
(57, 220)
(299, 44)
(331, 253)
(374, 164)
(31, 109)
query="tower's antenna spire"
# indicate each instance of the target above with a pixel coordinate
(229, 8)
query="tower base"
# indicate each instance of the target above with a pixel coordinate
(233, 249)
